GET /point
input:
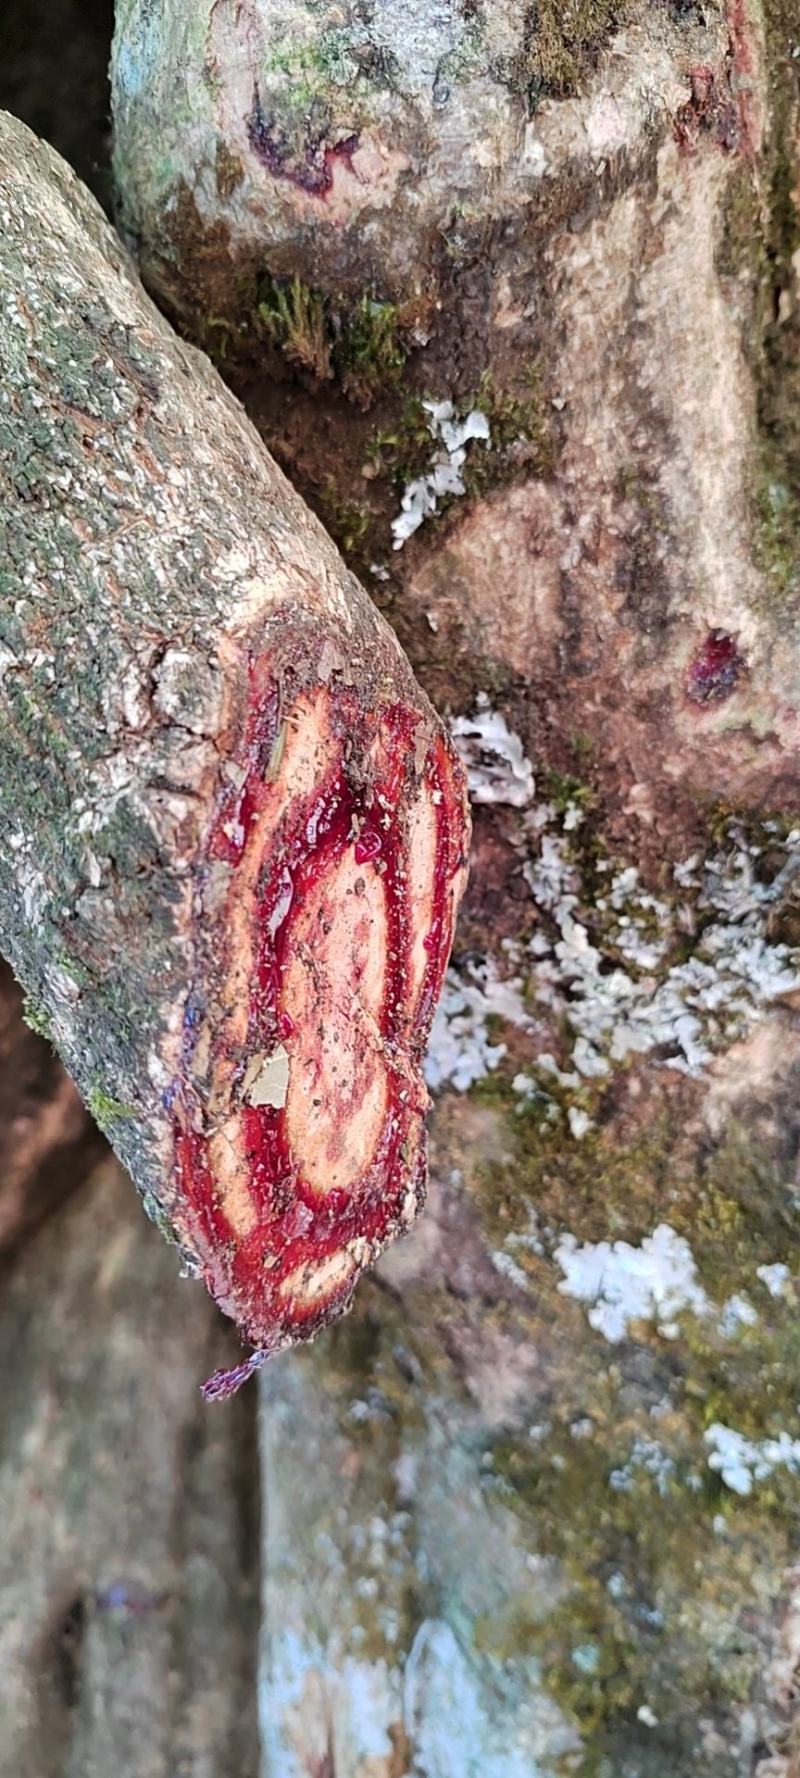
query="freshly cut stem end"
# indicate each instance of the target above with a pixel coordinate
(336, 859)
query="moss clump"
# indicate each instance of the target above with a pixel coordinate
(105, 1110)
(565, 792)
(403, 451)
(351, 527)
(36, 1018)
(370, 352)
(776, 535)
(560, 45)
(741, 241)
(296, 319)
(657, 1587)
(661, 1566)
(363, 348)
(775, 502)
(521, 428)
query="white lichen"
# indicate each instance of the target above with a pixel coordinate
(742, 1462)
(738, 1312)
(776, 1278)
(647, 1457)
(610, 971)
(445, 477)
(460, 1051)
(493, 757)
(579, 1122)
(507, 1266)
(654, 1282)
(686, 1009)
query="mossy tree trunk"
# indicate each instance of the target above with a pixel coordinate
(513, 297)
(532, 1508)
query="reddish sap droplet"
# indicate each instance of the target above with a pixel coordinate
(715, 669)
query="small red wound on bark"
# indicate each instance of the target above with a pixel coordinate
(715, 670)
(709, 111)
(315, 170)
(299, 1108)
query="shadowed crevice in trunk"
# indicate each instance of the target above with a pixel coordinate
(54, 75)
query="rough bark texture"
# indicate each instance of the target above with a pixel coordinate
(128, 1573)
(233, 830)
(564, 1425)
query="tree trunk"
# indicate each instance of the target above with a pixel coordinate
(233, 832)
(514, 300)
(128, 1573)
(47, 1141)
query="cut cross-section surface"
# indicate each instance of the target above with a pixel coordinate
(338, 857)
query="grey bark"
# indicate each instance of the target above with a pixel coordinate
(152, 550)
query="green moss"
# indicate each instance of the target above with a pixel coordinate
(296, 319)
(71, 966)
(660, 1564)
(36, 1017)
(362, 347)
(105, 1110)
(404, 450)
(353, 528)
(521, 428)
(741, 244)
(654, 1604)
(776, 535)
(370, 352)
(776, 506)
(561, 44)
(563, 792)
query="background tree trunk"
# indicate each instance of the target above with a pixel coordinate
(128, 1577)
(514, 302)
(533, 1507)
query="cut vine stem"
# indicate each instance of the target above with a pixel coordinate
(233, 830)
